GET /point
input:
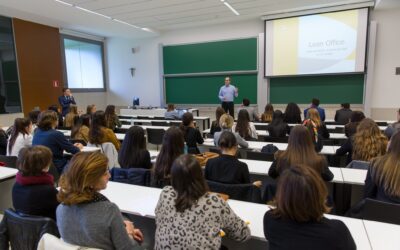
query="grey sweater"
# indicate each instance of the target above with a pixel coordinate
(97, 224)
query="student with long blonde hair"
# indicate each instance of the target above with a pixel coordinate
(383, 177)
(71, 117)
(313, 121)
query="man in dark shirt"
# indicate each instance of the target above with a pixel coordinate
(343, 115)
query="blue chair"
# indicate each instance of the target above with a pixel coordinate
(135, 176)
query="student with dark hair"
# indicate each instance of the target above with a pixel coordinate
(133, 152)
(244, 127)
(172, 113)
(112, 120)
(278, 128)
(227, 168)
(383, 176)
(71, 117)
(33, 116)
(315, 105)
(292, 114)
(268, 113)
(60, 117)
(91, 109)
(394, 127)
(343, 115)
(351, 128)
(3, 142)
(300, 150)
(215, 124)
(191, 134)
(296, 219)
(66, 100)
(34, 192)
(254, 116)
(46, 135)
(21, 136)
(99, 133)
(197, 214)
(81, 129)
(172, 147)
(87, 218)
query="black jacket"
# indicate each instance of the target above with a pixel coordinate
(346, 148)
(279, 130)
(343, 116)
(227, 169)
(192, 137)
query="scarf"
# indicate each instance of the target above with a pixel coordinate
(43, 179)
(314, 128)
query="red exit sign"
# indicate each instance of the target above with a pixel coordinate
(56, 83)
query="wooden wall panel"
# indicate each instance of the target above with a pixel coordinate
(39, 63)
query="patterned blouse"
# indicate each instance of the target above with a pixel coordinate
(198, 227)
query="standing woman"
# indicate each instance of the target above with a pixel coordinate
(244, 127)
(296, 219)
(268, 113)
(191, 133)
(112, 120)
(46, 135)
(71, 117)
(87, 218)
(215, 124)
(81, 129)
(300, 150)
(21, 136)
(383, 176)
(133, 152)
(99, 133)
(189, 217)
(172, 147)
(292, 114)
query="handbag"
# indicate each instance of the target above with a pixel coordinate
(203, 158)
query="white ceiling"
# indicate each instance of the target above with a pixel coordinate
(158, 15)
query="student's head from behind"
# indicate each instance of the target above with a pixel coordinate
(66, 91)
(218, 113)
(22, 125)
(98, 119)
(84, 120)
(269, 108)
(73, 109)
(313, 115)
(301, 195)
(86, 174)
(47, 120)
(246, 102)
(90, 109)
(300, 140)
(98, 122)
(188, 181)
(345, 105)
(243, 115)
(315, 102)
(170, 107)
(227, 81)
(54, 108)
(110, 110)
(357, 116)
(33, 116)
(226, 121)
(187, 119)
(398, 115)
(134, 139)
(277, 116)
(292, 109)
(34, 160)
(228, 143)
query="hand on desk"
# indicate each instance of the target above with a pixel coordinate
(257, 183)
(134, 233)
(78, 145)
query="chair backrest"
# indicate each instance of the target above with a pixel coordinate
(381, 211)
(261, 127)
(328, 142)
(155, 135)
(51, 242)
(24, 231)
(242, 192)
(175, 123)
(158, 123)
(276, 139)
(121, 130)
(109, 150)
(381, 123)
(254, 155)
(9, 161)
(358, 164)
(125, 123)
(136, 176)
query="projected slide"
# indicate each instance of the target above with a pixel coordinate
(316, 44)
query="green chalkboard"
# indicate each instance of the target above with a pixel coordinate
(220, 56)
(330, 89)
(205, 89)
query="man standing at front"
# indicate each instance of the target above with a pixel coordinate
(227, 94)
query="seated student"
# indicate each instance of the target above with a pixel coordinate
(253, 112)
(369, 142)
(81, 129)
(33, 116)
(99, 133)
(315, 105)
(172, 147)
(91, 109)
(133, 152)
(34, 192)
(300, 150)
(56, 109)
(292, 114)
(393, 128)
(296, 219)
(215, 124)
(383, 176)
(172, 113)
(227, 168)
(313, 120)
(87, 218)
(198, 215)
(351, 128)
(244, 127)
(191, 134)
(46, 135)
(112, 120)
(226, 123)
(21, 136)
(3, 142)
(343, 115)
(278, 128)
(268, 113)
(71, 117)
